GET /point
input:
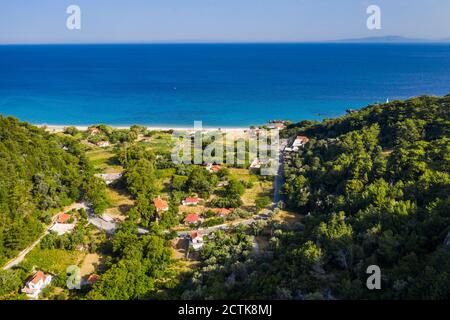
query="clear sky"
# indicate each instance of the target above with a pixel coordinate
(103, 21)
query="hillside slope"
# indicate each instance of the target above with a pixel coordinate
(38, 172)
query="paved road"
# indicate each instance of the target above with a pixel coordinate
(23, 253)
(109, 226)
(279, 179)
(261, 216)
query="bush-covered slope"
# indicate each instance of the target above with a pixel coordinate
(38, 172)
(377, 185)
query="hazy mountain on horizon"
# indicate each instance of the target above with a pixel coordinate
(391, 39)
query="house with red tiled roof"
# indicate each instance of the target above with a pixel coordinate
(94, 130)
(300, 141)
(213, 167)
(160, 204)
(190, 201)
(63, 218)
(191, 218)
(222, 212)
(93, 278)
(36, 284)
(196, 240)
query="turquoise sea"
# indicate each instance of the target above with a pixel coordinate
(223, 85)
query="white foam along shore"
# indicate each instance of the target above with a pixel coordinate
(60, 128)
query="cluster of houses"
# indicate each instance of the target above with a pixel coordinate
(162, 205)
(95, 131)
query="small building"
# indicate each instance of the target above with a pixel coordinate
(93, 278)
(222, 184)
(63, 218)
(255, 165)
(36, 284)
(223, 212)
(93, 130)
(300, 141)
(191, 218)
(277, 124)
(213, 167)
(190, 201)
(253, 133)
(196, 240)
(62, 225)
(103, 144)
(62, 228)
(109, 177)
(160, 204)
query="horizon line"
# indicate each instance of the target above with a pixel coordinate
(347, 41)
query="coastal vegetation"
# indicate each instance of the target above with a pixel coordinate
(369, 188)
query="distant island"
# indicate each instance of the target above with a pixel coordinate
(392, 39)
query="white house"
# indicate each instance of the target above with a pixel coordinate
(196, 239)
(190, 201)
(300, 141)
(37, 283)
(212, 167)
(103, 144)
(109, 177)
(256, 164)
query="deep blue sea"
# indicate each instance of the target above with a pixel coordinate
(220, 84)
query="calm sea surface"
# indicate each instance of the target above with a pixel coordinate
(220, 84)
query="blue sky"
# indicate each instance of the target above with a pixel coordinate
(106, 21)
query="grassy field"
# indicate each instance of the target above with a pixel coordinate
(160, 142)
(259, 189)
(243, 174)
(104, 160)
(52, 260)
(91, 263)
(287, 217)
(164, 179)
(121, 202)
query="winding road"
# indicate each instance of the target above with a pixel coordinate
(279, 180)
(23, 253)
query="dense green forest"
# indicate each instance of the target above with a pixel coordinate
(374, 188)
(39, 173)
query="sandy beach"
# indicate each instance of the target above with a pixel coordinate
(60, 128)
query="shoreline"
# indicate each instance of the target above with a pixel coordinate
(60, 128)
